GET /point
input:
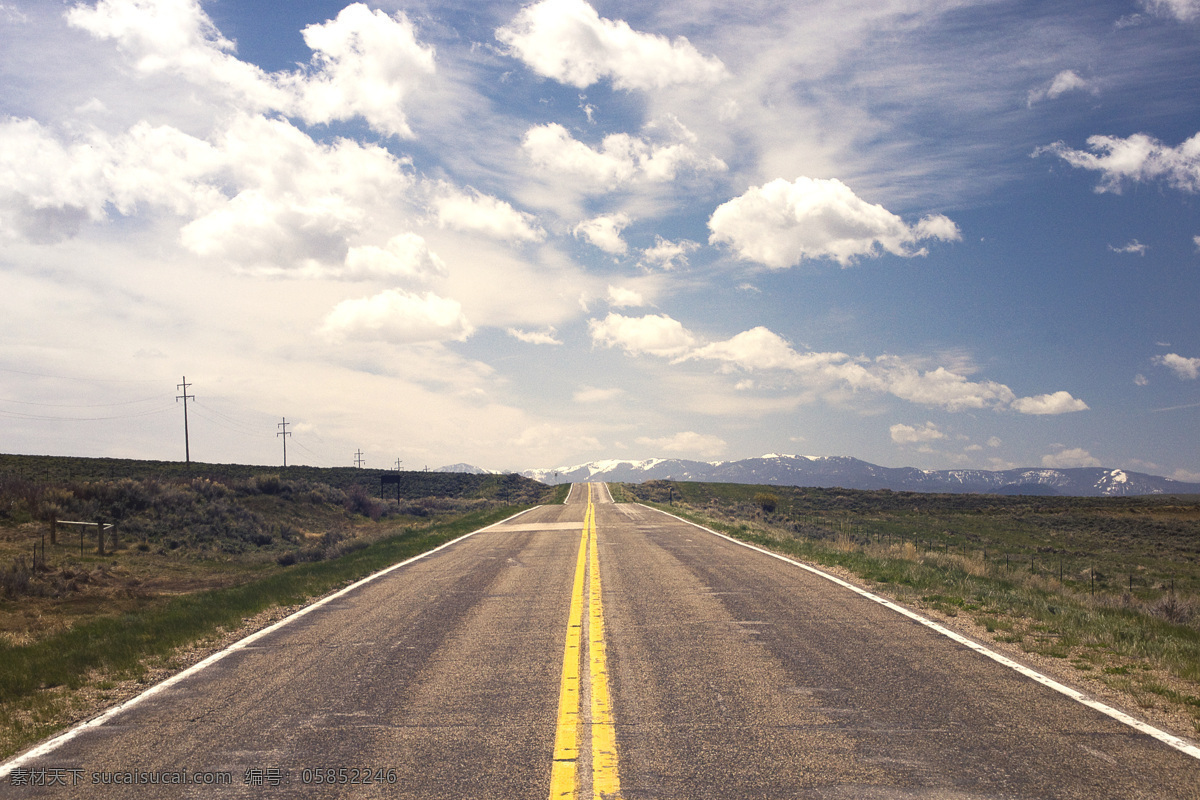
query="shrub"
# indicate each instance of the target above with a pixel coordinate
(767, 501)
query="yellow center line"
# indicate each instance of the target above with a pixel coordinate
(566, 736)
(606, 782)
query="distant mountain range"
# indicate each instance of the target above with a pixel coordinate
(470, 469)
(851, 473)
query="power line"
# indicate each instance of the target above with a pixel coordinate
(73, 378)
(358, 459)
(46, 418)
(325, 462)
(80, 405)
(233, 424)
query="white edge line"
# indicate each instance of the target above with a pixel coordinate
(1179, 744)
(51, 745)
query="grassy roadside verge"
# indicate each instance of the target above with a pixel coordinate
(42, 684)
(1142, 655)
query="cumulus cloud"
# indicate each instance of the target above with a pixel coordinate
(781, 223)
(63, 180)
(1135, 247)
(668, 255)
(593, 394)
(1185, 368)
(1134, 159)
(474, 212)
(546, 336)
(1182, 10)
(270, 234)
(397, 317)
(257, 193)
(704, 445)
(604, 232)
(566, 40)
(620, 297)
(656, 334)
(295, 203)
(404, 256)
(763, 349)
(1046, 404)
(176, 36)
(909, 434)
(364, 62)
(621, 159)
(1066, 81)
(1067, 458)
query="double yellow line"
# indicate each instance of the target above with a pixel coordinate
(564, 779)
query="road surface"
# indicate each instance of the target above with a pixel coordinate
(596, 649)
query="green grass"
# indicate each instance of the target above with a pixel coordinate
(119, 647)
(930, 552)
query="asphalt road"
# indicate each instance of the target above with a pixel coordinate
(723, 673)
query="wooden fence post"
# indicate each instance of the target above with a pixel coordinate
(100, 536)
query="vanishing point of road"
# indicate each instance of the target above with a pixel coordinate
(599, 650)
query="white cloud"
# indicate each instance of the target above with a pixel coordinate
(1182, 10)
(908, 434)
(49, 187)
(758, 348)
(593, 394)
(1044, 404)
(656, 334)
(622, 159)
(1134, 159)
(475, 212)
(176, 36)
(364, 62)
(1066, 81)
(668, 255)
(296, 204)
(258, 194)
(604, 232)
(552, 436)
(568, 41)
(398, 317)
(1067, 458)
(781, 223)
(689, 442)
(1185, 368)
(1140, 380)
(762, 349)
(1135, 247)
(994, 441)
(1186, 475)
(547, 336)
(620, 297)
(404, 256)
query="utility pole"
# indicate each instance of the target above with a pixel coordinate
(397, 465)
(284, 433)
(358, 459)
(187, 449)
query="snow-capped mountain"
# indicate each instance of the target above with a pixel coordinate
(470, 469)
(851, 473)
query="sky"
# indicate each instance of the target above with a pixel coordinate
(932, 233)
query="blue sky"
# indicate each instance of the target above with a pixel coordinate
(931, 233)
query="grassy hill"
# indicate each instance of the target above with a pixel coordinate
(192, 553)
